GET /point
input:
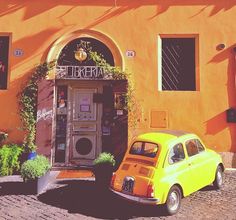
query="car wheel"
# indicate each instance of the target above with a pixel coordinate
(173, 201)
(218, 182)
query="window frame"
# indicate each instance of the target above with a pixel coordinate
(159, 60)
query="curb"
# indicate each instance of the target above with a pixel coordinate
(230, 169)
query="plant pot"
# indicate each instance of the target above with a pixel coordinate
(31, 155)
(37, 185)
(27, 156)
(103, 174)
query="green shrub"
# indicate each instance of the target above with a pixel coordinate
(32, 169)
(105, 158)
(9, 159)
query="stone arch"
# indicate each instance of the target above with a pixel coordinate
(61, 42)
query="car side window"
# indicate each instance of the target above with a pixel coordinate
(176, 154)
(191, 147)
(199, 146)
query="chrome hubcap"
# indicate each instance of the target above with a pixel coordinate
(219, 178)
(173, 201)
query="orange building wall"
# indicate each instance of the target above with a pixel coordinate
(135, 25)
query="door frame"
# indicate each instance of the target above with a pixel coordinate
(72, 84)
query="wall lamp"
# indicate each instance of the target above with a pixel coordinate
(220, 47)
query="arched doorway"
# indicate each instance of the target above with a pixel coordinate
(88, 116)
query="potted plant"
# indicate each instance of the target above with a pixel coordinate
(36, 173)
(103, 169)
(9, 159)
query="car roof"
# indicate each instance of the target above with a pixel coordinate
(163, 136)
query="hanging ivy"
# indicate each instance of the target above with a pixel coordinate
(131, 103)
(28, 104)
(116, 72)
(28, 96)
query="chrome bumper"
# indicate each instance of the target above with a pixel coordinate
(143, 200)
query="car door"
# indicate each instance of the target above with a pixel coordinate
(177, 169)
(198, 163)
(206, 160)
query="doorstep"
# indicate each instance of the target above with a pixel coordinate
(58, 167)
(75, 174)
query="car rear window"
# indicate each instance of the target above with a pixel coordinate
(146, 149)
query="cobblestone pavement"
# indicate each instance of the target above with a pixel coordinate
(79, 199)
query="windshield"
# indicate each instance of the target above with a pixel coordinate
(144, 149)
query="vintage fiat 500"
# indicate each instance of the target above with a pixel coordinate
(163, 167)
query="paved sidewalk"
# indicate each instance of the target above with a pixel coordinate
(79, 199)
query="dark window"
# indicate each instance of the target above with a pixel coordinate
(4, 52)
(192, 148)
(199, 145)
(176, 154)
(144, 149)
(178, 64)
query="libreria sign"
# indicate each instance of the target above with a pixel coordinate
(82, 72)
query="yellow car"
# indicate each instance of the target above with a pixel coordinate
(163, 167)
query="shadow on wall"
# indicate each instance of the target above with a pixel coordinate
(35, 51)
(34, 8)
(36, 43)
(218, 122)
(11, 119)
(217, 6)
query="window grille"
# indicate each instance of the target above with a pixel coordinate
(178, 64)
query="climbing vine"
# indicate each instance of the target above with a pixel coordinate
(28, 104)
(115, 71)
(28, 96)
(131, 103)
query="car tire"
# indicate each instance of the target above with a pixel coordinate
(173, 200)
(218, 182)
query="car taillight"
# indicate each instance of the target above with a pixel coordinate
(150, 191)
(113, 179)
